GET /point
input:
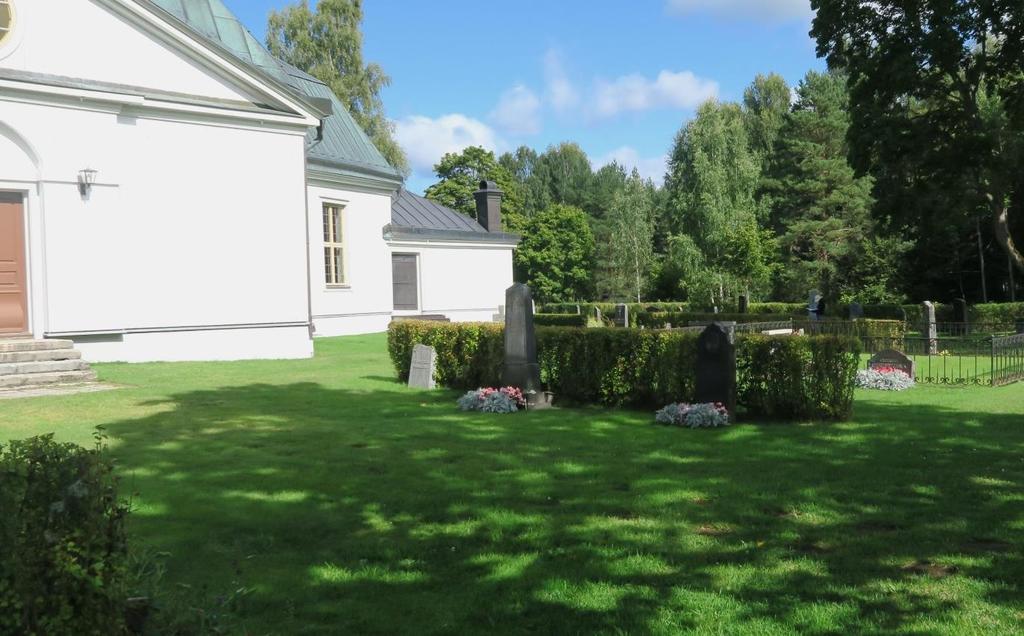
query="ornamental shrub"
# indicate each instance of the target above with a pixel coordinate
(504, 400)
(797, 377)
(679, 319)
(62, 540)
(560, 320)
(997, 316)
(884, 379)
(807, 377)
(708, 415)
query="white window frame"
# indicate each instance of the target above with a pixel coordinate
(336, 272)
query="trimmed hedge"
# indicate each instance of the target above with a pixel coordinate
(676, 319)
(645, 368)
(794, 377)
(560, 320)
(789, 309)
(62, 564)
(998, 315)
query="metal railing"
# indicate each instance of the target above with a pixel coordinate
(1007, 359)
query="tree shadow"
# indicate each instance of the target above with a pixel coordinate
(386, 511)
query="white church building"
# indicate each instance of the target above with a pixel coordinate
(170, 191)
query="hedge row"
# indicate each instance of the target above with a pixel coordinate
(608, 309)
(64, 551)
(645, 368)
(560, 320)
(999, 315)
(677, 319)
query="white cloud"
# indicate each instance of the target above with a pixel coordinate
(649, 167)
(560, 92)
(518, 111)
(425, 140)
(637, 93)
(776, 10)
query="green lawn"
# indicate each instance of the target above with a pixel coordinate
(342, 502)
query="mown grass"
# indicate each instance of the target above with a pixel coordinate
(323, 497)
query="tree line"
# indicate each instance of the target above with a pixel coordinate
(892, 176)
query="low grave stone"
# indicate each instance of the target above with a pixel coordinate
(892, 358)
(421, 371)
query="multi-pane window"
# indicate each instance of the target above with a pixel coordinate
(6, 19)
(334, 245)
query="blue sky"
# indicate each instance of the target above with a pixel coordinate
(617, 77)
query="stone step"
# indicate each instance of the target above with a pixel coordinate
(9, 346)
(40, 356)
(46, 366)
(41, 379)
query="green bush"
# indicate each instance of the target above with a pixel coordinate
(469, 354)
(676, 319)
(560, 320)
(62, 540)
(1000, 316)
(793, 377)
(803, 377)
(788, 309)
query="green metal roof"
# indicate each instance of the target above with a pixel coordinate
(345, 147)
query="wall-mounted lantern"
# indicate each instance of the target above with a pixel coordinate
(86, 178)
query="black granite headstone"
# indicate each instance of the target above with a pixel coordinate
(892, 358)
(856, 311)
(742, 304)
(813, 300)
(716, 366)
(621, 315)
(521, 369)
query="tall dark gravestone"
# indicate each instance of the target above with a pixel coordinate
(716, 366)
(960, 317)
(813, 300)
(742, 304)
(521, 369)
(621, 315)
(856, 311)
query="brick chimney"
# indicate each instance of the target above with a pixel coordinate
(488, 206)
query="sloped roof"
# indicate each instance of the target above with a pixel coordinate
(419, 219)
(345, 147)
(410, 210)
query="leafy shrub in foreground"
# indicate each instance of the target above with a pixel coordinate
(709, 415)
(62, 540)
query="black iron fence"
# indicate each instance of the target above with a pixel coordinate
(1007, 359)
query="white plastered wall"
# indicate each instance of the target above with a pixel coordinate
(364, 303)
(464, 281)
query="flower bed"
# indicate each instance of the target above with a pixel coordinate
(884, 379)
(709, 415)
(490, 400)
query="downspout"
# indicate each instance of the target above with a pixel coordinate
(305, 214)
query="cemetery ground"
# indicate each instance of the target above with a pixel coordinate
(289, 497)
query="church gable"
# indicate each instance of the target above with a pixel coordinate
(102, 41)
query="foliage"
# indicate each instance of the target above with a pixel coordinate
(504, 400)
(556, 254)
(631, 238)
(658, 320)
(797, 377)
(459, 175)
(468, 354)
(1000, 315)
(718, 248)
(806, 377)
(62, 565)
(884, 379)
(766, 103)
(708, 415)
(938, 84)
(327, 43)
(560, 320)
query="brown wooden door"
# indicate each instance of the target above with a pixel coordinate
(13, 287)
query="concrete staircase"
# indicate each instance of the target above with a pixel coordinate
(30, 364)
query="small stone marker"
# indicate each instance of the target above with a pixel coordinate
(500, 316)
(521, 369)
(421, 371)
(716, 366)
(579, 311)
(892, 358)
(928, 327)
(856, 311)
(742, 304)
(621, 315)
(813, 300)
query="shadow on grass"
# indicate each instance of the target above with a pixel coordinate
(388, 512)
